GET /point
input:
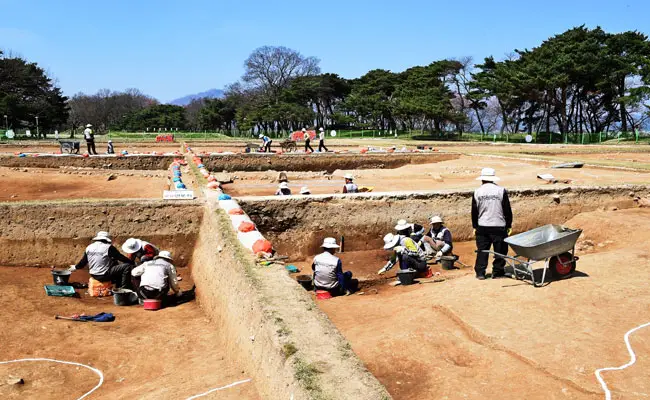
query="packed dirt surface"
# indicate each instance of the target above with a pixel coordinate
(452, 174)
(172, 353)
(24, 184)
(469, 339)
(54, 148)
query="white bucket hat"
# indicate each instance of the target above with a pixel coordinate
(401, 225)
(390, 241)
(349, 176)
(321, 129)
(330, 243)
(489, 175)
(102, 235)
(436, 219)
(164, 254)
(284, 185)
(89, 126)
(132, 245)
(305, 190)
(261, 136)
(304, 130)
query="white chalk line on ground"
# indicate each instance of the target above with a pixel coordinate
(95, 370)
(608, 394)
(219, 388)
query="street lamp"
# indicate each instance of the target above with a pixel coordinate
(37, 135)
(6, 123)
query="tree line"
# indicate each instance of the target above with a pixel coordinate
(581, 81)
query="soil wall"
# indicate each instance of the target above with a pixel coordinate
(319, 162)
(47, 234)
(280, 335)
(145, 162)
(297, 225)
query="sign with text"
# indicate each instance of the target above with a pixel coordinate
(178, 195)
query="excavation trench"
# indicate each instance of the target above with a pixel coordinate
(132, 162)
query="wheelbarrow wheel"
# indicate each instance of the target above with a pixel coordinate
(562, 266)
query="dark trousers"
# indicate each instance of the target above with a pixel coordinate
(91, 147)
(321, 145)
(148, 293)
(347, 284)
(267, 146)
(119, 275)
(487, 237)
(308, 146)
(406, 262)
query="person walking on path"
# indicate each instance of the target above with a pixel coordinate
(492, 222)
(321, 140)
(90, 140)
(307, 140)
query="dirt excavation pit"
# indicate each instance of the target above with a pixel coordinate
(460, 173)
(176, 352)
(460, 338)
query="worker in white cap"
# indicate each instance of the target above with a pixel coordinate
(266, 143)
(321, 140)
(90, 140)
(438, 238)
(328, 271)
(414, 231)
(350, 186)
(305, 191)
(407, 252)
(492, 222)
(157, 277)
(139, 251)
(105, 262)
(307, 138)
(110, 149)
(283, 189)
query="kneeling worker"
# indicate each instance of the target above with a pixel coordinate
(157, 277)
(350, 186)
(139, 251)
(407, 252)
(328, 271)
(439, 237)
(106, 263)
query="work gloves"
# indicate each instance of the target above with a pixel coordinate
(72, 268)
(385, 268)
(439, 254)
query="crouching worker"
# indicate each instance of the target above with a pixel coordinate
(106, 263)
(157, 277)
(438, 239)
(139, 251)
(407, 252)
(328, 271)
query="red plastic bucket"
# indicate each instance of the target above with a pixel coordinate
(152, 305)
(323, 295)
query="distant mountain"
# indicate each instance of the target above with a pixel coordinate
(212, 94)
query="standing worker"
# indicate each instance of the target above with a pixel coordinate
(110, 149)
(157, 277)
(492, 222)
(266, 143)
(90, 140)
(321, 140)
(350, 186)
(106, 263)
(307, 138)
(328, 271)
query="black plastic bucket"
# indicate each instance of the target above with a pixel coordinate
(447, 262)
(406, 276)
(304, 281)
(61, 276)
(124, 297)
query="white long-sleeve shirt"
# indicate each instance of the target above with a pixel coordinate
(157, 274)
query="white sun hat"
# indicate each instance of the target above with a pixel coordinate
(401, 225)
(349, 176)
(165, 254)
(305, 190)
(321, 129)
(330, 243)
(390, 241)
(102, 235)
(436, 219)
(489, 175)
(132, 245)
(261, 136)
(284, 185)
(304, 130)
(89, 126)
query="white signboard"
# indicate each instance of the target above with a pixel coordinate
(178, 195)
(9, 134)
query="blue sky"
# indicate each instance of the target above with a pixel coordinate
(169, 48)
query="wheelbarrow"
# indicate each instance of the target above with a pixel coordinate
(69, 146)
(288, 146)
(553, 244)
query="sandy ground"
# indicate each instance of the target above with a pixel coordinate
(22, 184)
(470, 339)
(454, 174)
(173, 353)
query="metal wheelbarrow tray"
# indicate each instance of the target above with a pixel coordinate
(553, 244)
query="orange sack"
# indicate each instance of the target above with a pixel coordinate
(247, 227)
(262, 246)
(236, 211)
